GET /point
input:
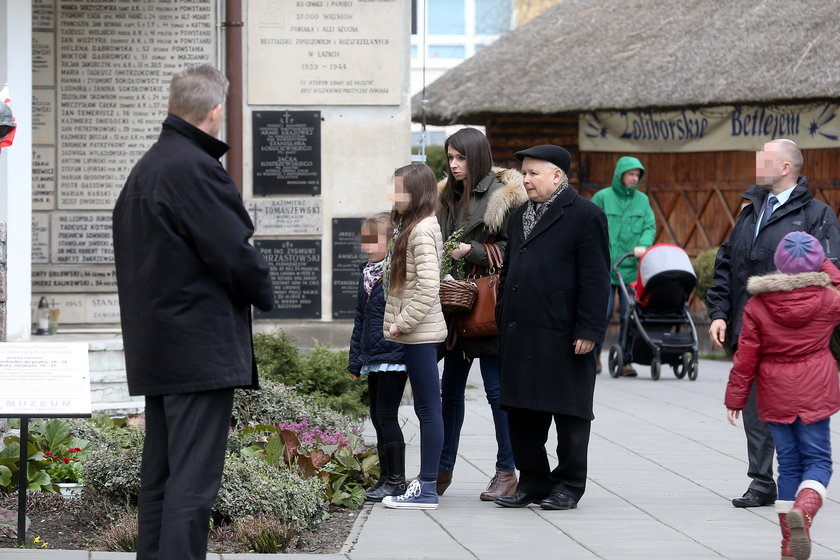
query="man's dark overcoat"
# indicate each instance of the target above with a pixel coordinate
(186, 274)
(554, 289)
(745, 254)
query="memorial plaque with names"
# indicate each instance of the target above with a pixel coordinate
(43, 116)
(93, 278)
(40, 237)
(43, 178)
(81, 237)
(330, 52)
(347, 259)
(286, 216)
(116, 60)
(296, 274)
(287, 152)
(43, 14)
(43, 58)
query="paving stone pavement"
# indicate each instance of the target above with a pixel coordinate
(663, 466)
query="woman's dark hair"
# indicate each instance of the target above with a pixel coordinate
(419, 183)
(476, 149)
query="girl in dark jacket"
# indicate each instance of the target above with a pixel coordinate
(476, 200)
(382, 361)
(784, 348)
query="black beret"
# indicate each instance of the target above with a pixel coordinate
(548, 152)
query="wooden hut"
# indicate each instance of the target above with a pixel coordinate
(668, 72)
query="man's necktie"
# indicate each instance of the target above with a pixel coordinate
(772, 201)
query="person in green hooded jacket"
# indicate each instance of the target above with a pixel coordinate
(632, 229)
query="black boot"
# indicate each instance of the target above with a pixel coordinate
(395, 483)
(383, 469)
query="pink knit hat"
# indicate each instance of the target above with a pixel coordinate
(798, 252)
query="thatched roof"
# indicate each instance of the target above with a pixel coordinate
(641, 54)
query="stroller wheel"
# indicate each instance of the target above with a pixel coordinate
(655, 369)
(681, 367)
(692, 368)
(616, 360)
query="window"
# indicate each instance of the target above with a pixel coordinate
(446, 17)
(446, 51)
(492, 17)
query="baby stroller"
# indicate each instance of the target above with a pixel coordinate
(659, 329)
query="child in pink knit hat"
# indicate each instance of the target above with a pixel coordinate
(783, 347)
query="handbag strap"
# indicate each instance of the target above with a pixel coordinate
(494, 256)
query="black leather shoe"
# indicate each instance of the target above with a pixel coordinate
(754, 498)
(518, 499)
(558, 500)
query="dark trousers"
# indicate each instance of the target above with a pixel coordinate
(760, 448)
(385, 391)
(528, 435)
(183, 458)
(421, 361)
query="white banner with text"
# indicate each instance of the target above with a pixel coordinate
(710, 129)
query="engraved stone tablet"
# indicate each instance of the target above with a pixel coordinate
(286, 216)
(40, 237)
(94, 278)
(81, 237)
(296, 273)
(328, 52)
(287, 152)
(43, 14)
(43, 116)
(347, 258)
(43, 178)
(43, 58)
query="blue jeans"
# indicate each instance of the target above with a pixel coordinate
(456, 368)
(804, 453)
(622, 310)
(421, 361)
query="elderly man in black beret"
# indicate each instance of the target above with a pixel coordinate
(551, 307)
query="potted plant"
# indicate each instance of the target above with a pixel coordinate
(65, 470)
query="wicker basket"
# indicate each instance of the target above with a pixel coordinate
(457, 296)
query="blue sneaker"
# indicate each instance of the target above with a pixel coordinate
(418, 495)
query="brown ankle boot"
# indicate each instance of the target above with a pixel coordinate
(801, 516)
(444, 479)
(502, 484)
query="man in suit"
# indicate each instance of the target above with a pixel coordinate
(781, 203)
(551, 307)
(186, 277)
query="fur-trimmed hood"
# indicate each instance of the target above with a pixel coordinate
(792, 299)
(778, 282)
(511, 195)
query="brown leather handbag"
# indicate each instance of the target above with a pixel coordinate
(480, 321)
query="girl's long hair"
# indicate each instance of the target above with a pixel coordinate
(419, 183)
(475, 147)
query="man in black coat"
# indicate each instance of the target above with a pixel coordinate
(187, 278)
(551, 307)
(781, 203)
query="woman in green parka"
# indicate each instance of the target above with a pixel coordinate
(632, 229)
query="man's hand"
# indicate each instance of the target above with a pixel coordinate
(638, 252)
(717, 332)
(583, 346)
(732, 415)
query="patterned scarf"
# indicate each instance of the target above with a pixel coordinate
(531, 216)
(372, 274)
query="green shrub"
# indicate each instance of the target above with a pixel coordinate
(276, 403)
(704, 268)
(276, 355)
(265, 534)
(114, 472)
(322, 373)
(252, 487)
